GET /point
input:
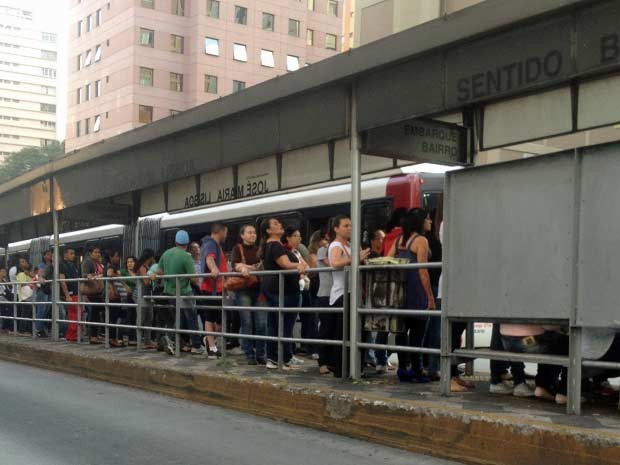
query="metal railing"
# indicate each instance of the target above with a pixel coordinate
(352, 347)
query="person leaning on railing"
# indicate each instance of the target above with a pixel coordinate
(69, 293)
(247, 294)
(276, 257)
(143, 264)
(339, 254)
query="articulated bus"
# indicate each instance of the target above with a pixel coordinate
(307, 210)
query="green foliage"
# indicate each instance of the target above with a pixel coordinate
(29, 158)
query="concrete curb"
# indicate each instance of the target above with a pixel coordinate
(424, 427)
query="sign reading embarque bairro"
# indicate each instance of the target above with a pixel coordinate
(418, 140)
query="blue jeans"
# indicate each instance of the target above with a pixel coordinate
(550, 377)
(43, 310)
(252, 322)
(290, 300)
(189, 320)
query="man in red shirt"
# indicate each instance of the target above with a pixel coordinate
(214, 262)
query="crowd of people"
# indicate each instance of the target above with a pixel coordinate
(411, 237)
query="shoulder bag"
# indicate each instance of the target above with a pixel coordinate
(236, 283)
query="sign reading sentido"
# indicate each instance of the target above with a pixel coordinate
(418, 140)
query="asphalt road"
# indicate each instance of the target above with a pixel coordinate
(49, 418)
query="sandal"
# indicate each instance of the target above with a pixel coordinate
(116, 343)
(324, 370)
(186, 349)
(150, 346)
(459, 385)
(94, 340)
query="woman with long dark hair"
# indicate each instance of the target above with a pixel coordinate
(413, 246)
(277, 257)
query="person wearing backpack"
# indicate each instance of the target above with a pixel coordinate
(213, 261)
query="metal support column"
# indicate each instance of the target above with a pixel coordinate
(140, 291)
(106, 293)
(55, 284)
(573, 407)
(177, 318)
(445, 367)
(356, 221)
(280, 319)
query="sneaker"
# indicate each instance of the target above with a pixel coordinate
(271, 365)
(380, 369)
(523, 390)
(213, 353)
(295, 361)
(235, 351)
(42, 334)
(199, 350)
(168, 345)
(315, 356)
(503, 388)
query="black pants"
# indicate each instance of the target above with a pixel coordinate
(499, 367)
(416, 328)
(331, 329)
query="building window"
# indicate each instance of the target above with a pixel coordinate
(97, 53)
(268, 22)
(87, 126)
(145, 114)
(178, 7)
(46, 90)
(146, 77)
(148, 4)
(293, 27)
(176, 82)
(309, 37)
(97, 88)
(147, 37)
(330, 41)
(238, 86)
(49, 72)
(311, 5)
(240, 52)
(48, 55)
(97, 125)
(89, 23)
(241, 15)
(212, 46)
(78, 95)
(78, 129)
(266, 58)
(48, 37)
(292, 63)
(89, 58)
(213, 8)
(174, 112)
(79, 28)
(176, 43)
(48, 108)
(79, 62)
(87, 93)
(210, 84)
(98, 17)
(332, 7)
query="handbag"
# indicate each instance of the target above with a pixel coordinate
(91, 288)
(236, 283)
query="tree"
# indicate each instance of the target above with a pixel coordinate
(28, 158)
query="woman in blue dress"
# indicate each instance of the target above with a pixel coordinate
(413, 246)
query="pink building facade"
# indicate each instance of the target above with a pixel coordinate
(136, 61)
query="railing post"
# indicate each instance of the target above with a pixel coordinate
(469, 345)
(345, 330)
(224, 323)
(55, 286)
(79, 313)
(106, 293)
(139, 290)
(177, 318)
(15, 298)
(280, 318)
(573, 406)
(34, 313)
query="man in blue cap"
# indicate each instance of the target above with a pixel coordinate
(176, 261)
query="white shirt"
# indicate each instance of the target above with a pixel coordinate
(338, 284)
(13, 278)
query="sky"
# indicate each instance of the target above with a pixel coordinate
(52, 16)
